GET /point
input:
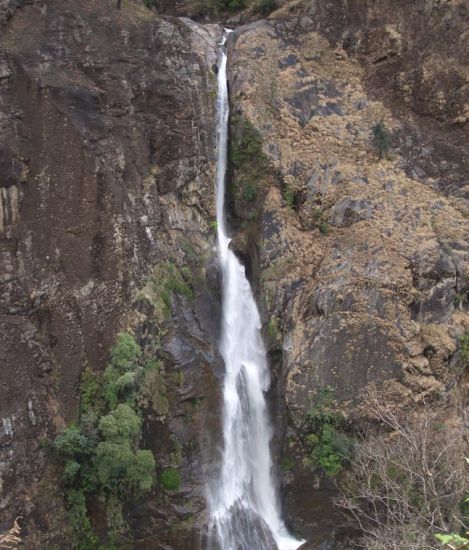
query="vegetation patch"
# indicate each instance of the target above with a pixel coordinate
(170, 479)
(464, 348)
(216, 7)
(287, 464)
(330, 448)
(165, 281)
(320, 221)
(408, 481)
(100, 455)
(381, 139)
(251, 167)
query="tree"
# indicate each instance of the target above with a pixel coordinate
(381, 138)
(407, 484)
(121, 425)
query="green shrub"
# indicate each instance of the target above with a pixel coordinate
(273, 327)
(211, 7)
(331, 450)
(72, 444)
(230, 5)
(91, 398)
(123, 472)
(165, 281)
(246, 146)
(142, 476)
(126, 353)
(170, 479)
(70, 473)
(453, 541)
(381, 138)
(464, 348)
(320, 221)
(287, 464)
(77, 514)
(110, 392)
(251, 167)
(116, 524)
(99, 456)
(289, 196)
(330, 447)
(121, 425)
(249, 192)
(324, 227)
(126, 386)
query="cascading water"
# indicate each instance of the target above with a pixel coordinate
(243, 502)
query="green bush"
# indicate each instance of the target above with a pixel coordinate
(289, 196)
(123, 472)
(121, 425)
(142, 476)
(230, 5)
(77, 513)
(170, 479)
(287, 464)
(246, 146)
(381, 138)
(331, 450)
(91, 398)
(330, 447)
(72, 444)
(251, 169)
(464, 348)
(126, 353)
(320, 221)
(249, 192)
(99, 456)
(453, 541)
(324, 228)
(165, 281)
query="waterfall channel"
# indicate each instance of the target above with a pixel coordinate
(244, 508)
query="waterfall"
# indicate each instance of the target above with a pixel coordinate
(244, 509)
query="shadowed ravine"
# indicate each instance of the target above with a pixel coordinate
(243, 502)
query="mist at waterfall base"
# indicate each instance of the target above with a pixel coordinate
(244, 510)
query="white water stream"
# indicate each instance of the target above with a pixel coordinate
(244, 508)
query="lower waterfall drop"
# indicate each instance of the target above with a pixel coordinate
(244, 509)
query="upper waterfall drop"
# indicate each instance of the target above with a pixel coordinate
(244, 509)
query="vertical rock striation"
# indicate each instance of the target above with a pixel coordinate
(106, 180)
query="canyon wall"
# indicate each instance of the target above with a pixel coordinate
(360, 264)
(106, 187)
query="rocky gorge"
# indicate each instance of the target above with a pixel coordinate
(359, 261)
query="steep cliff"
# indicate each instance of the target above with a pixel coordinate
(107, 133)
(362, 263)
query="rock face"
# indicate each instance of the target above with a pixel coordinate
(107, 169)
(107, 145)
(363, 264)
